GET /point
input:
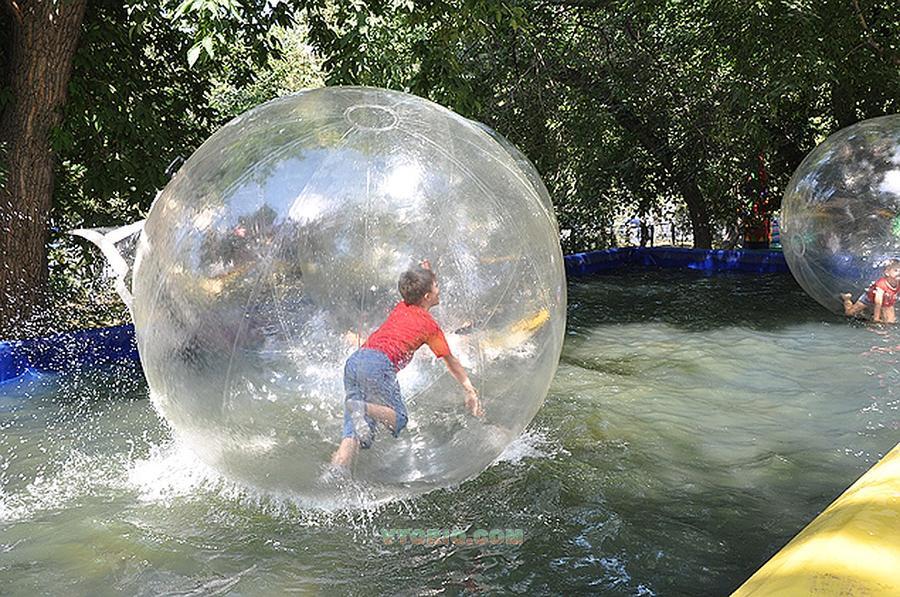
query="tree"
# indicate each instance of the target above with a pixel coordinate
(633, 105)
(95, 102)
(41, 39)
(625, 106)
(293, 68)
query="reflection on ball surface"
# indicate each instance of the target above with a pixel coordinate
(841, 211)
(279, 245)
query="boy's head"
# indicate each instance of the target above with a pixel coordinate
(892, 269)
(416, 283)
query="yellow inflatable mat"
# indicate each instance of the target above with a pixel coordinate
(852, 548)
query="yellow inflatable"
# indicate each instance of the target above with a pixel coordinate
(516, 334)
(852, 548)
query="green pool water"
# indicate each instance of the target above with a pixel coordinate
(695, 425)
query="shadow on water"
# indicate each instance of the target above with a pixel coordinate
(691, 300)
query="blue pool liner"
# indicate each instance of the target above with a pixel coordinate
(746, 261)
(24, 363)
(27, 362)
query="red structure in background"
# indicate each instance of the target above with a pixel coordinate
(757, 222)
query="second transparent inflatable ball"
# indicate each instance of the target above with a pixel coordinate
(841, 211)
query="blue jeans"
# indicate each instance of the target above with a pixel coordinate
(369, 377)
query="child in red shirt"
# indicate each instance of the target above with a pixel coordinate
(370, 374)
(880, 296)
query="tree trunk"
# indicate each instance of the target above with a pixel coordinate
(682, 177)
(40, 45)
(698, 213)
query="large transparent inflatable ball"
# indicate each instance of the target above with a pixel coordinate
(277, 249)
(841, 211)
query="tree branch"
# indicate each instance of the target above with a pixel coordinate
(870, 39)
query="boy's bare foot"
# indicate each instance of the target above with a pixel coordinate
(334, 474)
(343, 456)
(847, 300)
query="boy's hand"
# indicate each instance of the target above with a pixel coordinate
(473, 404)
(425, 264)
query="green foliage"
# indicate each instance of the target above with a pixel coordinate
(625, 107)
(633, 106)
(137, 99)
(294, 68)
(135, 104)
(217, 26)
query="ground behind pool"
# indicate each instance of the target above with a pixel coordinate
(695, 424)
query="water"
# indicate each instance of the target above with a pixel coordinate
(694, 426)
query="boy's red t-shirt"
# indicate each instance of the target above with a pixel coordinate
(890, 292)
(406, 329)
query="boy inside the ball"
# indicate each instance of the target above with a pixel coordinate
(879, 297)
(370, 374)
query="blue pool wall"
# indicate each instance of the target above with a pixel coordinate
(750, 262)
(26, 362)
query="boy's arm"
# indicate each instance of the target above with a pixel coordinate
(457, 371)
(879, 299)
